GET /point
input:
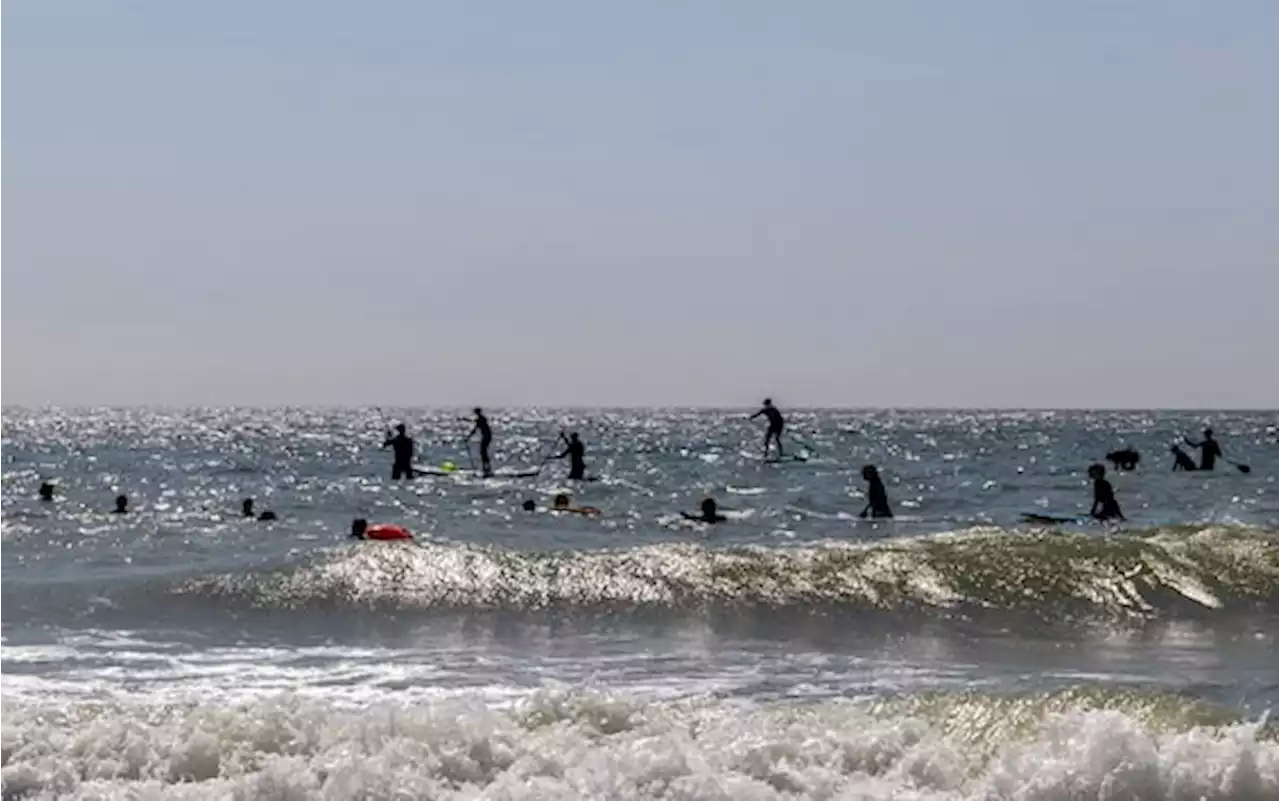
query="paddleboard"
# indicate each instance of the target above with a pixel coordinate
(529, 472)
(428, 470)
(786, 459)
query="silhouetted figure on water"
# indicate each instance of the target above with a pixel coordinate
(122, 505)
(776, 423)
(877, 498)
(709, 513)
(46, 491)
(1181, 461)
(402, 453)
(1124, 459)
(576, 452)
(246, 510)
(1104, 497)
(486, 438)
(1210, 450)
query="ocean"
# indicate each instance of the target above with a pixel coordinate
(181, 651)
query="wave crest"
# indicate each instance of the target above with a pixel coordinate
(1058, 576)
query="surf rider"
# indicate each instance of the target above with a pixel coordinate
(776, 422)
(877, 498)
(486, 438)
(576, 452)
(402, 453)
(1104, 497)
(1210, 450)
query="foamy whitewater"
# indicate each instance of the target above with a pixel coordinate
(795, 651)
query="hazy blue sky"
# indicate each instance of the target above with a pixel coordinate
(833, 203)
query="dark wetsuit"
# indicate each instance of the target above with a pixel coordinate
(774, 433)
(576, 453)
(486, 439)
(1104, 501)
(402, 463)
(1210, 452)
(878, 499)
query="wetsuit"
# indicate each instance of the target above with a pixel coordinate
(1104, 501)
(878, 499)
(1210, 452)
(486, 438)
(774, 433)
(402, 462)
(577, 466)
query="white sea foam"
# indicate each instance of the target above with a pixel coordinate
(571, 745)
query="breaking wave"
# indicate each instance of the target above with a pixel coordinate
(1046, 575)
(1070, 744)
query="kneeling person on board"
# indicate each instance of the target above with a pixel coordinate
(402, 453)
(1104, 497)
(709, 513)
(877, 498)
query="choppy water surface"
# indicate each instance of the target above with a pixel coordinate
(796, 651)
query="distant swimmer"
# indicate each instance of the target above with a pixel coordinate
(246, 510)
(486, 438)
(46, 491)
(563, 504)
(122, 505)
(576, 452)
(1124, 459)
(1181, 461)
(402, 453)
(361, 530)
(776, 423)
(709, 513)
(1104, 497)
(877, 498)
(1210, 450)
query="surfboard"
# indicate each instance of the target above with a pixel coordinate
(786, 459)
(429, 470)
(529, 472)
(1037, 517)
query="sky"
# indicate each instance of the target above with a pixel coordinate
(996, 204)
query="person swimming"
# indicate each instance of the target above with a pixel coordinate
(776, 423)
(401, 445)
(46, 491)
(1210, 450)
(561, 503)
(1181, 460)
(246, 510)
(486, 438)
(1104, 506)
(877, 497)
(122, 505)
(576, 452)
(709, 513)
